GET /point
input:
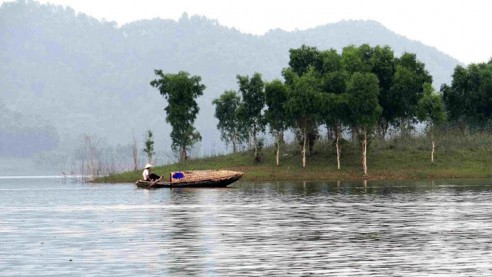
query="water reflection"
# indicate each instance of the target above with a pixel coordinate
(251, 229)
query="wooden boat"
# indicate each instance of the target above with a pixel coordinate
(197, 178)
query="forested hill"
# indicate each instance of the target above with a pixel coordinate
(82, 75)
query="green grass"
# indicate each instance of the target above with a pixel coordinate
(456, 157)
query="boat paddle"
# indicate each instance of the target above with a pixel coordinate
(155, 182)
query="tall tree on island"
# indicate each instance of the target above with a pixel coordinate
(227, 112)
(306, 60)
(180, 90)
(383, 65)
(334, 110)
(303, 103)
(406, 90)
(334, 113)
(431, 109)
(469, 98)
(363, 90)
(250, 110)
(276, 115)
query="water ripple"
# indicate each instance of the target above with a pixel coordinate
(276, 229)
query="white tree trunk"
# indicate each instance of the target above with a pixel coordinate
(337, 132)
(433, 148)
(304, 148)
(364, 151)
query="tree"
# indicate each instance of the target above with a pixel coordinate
(469, 98)
(149, 147)
(276, 115)
(334, 77)
(383, 65)
(303, 103)
(250, 110)
(431, 110)
(304, 57)
(363, 90)
(227, 112)
(180, 90)
(305, 60)
(353, 60)
(334, 106)
(455, 97)
(334, 112)
(407, 89)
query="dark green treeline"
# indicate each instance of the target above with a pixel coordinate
(364, 90)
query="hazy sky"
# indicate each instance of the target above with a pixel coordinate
(460, 28)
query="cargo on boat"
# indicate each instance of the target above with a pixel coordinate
(196, 178)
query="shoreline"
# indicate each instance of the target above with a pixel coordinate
(461, 157)
(267, 174)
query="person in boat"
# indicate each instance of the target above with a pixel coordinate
(148, 175)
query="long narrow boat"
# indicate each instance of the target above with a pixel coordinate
(197, 178)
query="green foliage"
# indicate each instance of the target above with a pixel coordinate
(253, 100)
(180, 91)
(303, 105)
(304, 99)
(401, 100)
(232, 131)
(303, 58)
(431, 106)
(250, 110)
(335, 109)
(469, 98)
(275, 98)
(384, 67)
(149, 147)
(352, 60)
(363, 90)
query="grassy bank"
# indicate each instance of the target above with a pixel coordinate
(456, 157)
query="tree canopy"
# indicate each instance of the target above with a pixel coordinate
(276, 96)
(180, 91)
(229, 125)
(251, 108)
(469, 98)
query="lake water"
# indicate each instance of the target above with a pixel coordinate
(58, 227)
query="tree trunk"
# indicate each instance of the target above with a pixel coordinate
(329, 132)
(255, 143)
(304, 148)
(234, 149)
(364, 151)
(433, 147)
(337, 132)
(354, 134)
(383, 129)
(277, 156)
(184, 157)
